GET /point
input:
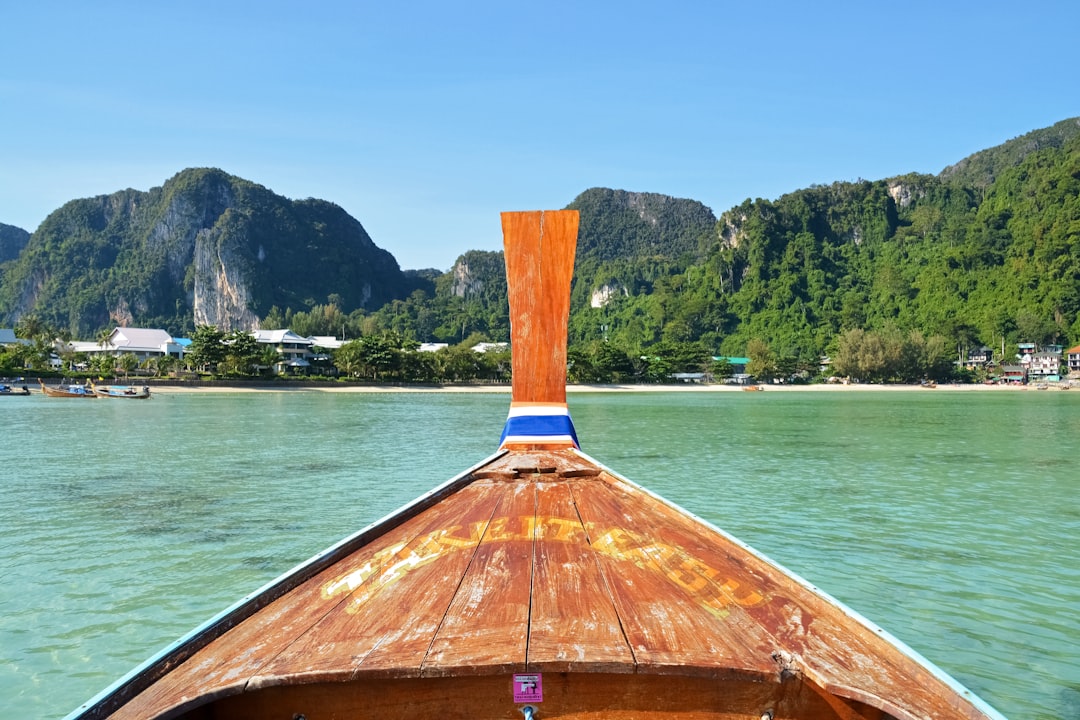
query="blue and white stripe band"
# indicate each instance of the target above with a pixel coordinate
(539, 424)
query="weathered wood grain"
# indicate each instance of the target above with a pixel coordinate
(539, 250)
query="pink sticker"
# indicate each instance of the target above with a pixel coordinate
(528, 688)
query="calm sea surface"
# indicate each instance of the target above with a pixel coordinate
(951, 519)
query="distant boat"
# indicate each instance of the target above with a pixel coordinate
(538, 584)
(128, 392)
(753, 388)
(6, 389)
(67, 390)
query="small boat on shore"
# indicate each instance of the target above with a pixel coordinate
(127, 392)
(539, 583)
(67, 390)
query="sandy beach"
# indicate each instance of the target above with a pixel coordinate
(682, 387)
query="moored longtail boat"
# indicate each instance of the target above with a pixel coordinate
(125, 392)
(67, 390)
(538, 583)
(10, 390)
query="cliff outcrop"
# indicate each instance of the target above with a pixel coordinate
(206, 248)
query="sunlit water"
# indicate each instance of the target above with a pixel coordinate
(951, 519)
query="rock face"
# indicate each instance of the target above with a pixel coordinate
(904, 194)
(479, 273)
(603, 294)
(206, 248)
(220, 294)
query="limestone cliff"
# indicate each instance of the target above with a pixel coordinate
(206, 248)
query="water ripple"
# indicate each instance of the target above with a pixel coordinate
(953, 521)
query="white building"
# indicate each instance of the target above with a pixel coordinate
(141, 342)
(485, 347)
(1042, 365)
(294, 352)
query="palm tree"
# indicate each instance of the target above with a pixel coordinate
(104, 340)
(268, 358)
(127, 363)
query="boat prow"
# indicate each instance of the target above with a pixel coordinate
(539, 583)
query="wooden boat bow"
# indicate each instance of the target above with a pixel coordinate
(539, 582)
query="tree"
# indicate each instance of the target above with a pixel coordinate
(721, 369)
(127, 362)
(30, 326)
(102, 364)
(381, 355)
(459, 363)
(207, 348)
(349, 359)
(104, 338)
(268, 357)
(242, 351)
(762, 363)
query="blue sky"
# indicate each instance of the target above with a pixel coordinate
(424, 120)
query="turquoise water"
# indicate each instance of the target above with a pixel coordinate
(951, 519)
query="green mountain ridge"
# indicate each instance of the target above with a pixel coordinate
(204, 248)
(986, 252)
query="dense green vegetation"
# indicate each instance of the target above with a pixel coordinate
(150, 258)
(894, 279)
(925, 267)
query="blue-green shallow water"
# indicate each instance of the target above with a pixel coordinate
(951, 519)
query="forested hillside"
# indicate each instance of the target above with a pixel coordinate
(919, 264)
(915, 253)
(205, 248)
(916, 267)
(626, 242)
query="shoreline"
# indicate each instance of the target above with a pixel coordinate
(575, 389)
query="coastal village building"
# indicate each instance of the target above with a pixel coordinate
(485, 347)
(326, 342)
(294, 352)
(143, 343)
(979, 358)
(1072, 360)
(1014, 374)
(7, 337)
(1042, 366)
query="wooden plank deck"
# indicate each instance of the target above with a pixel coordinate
(547, 563)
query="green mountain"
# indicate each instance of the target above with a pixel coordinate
(982, 168)
(995, 261)
(206, 248)
(626, 240)
(616, 225)
(986, 252)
